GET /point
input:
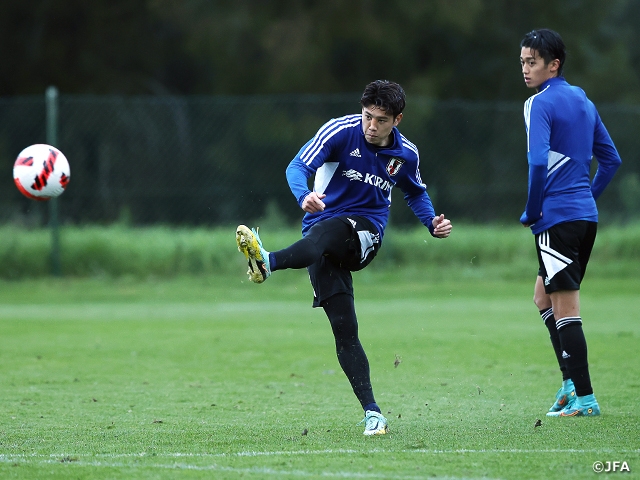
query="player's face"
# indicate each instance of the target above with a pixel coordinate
(534, 70)
(377, 125)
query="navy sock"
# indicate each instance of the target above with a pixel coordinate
(372, 406)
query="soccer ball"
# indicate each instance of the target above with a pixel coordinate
(41, 172)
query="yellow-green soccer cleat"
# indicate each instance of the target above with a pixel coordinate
(374, 423)
(250, 246)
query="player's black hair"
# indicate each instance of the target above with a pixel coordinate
(548, 44)
(385, 95)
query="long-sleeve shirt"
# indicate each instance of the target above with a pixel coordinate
(357, 176)
(564, 132)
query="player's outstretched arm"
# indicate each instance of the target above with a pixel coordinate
(313, 203)
(441, 226)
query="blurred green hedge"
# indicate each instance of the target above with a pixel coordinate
(167, 251)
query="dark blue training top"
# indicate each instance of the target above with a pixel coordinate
(356, 176)
(564, 132)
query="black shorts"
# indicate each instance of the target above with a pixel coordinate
(563, 253)
(351, 243)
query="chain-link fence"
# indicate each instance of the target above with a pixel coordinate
(221, 160)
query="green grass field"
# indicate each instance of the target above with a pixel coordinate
(203, 377)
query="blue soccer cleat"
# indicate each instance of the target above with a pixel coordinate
(586, 406)
(374, 423)
(250, 245)
(565, 397)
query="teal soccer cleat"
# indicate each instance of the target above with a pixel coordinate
(374, 423)
(586, 406)
(565, 397)
(250, 245)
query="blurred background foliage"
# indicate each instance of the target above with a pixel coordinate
(188, 112)
(445, 49)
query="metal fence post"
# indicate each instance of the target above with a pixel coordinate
(51, 96)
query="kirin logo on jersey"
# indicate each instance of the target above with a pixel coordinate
(352, 174)
(369, 178)
(393, 167)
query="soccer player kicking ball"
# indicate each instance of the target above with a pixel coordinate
(564, 132)
(356, 160)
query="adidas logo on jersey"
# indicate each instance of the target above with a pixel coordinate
(356, 153)
(565, 354)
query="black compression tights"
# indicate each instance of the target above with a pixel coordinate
(329, 237)
(342, 314)
(299, 255)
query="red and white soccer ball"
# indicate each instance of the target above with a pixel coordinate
(41, 172)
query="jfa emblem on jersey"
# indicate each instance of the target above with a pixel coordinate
(393, 167)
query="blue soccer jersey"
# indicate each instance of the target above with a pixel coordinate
(564, 132)
(356, 176)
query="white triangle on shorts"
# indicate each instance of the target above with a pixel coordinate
(554, 262)
(367, 241)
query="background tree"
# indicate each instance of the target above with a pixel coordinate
(443, 48)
